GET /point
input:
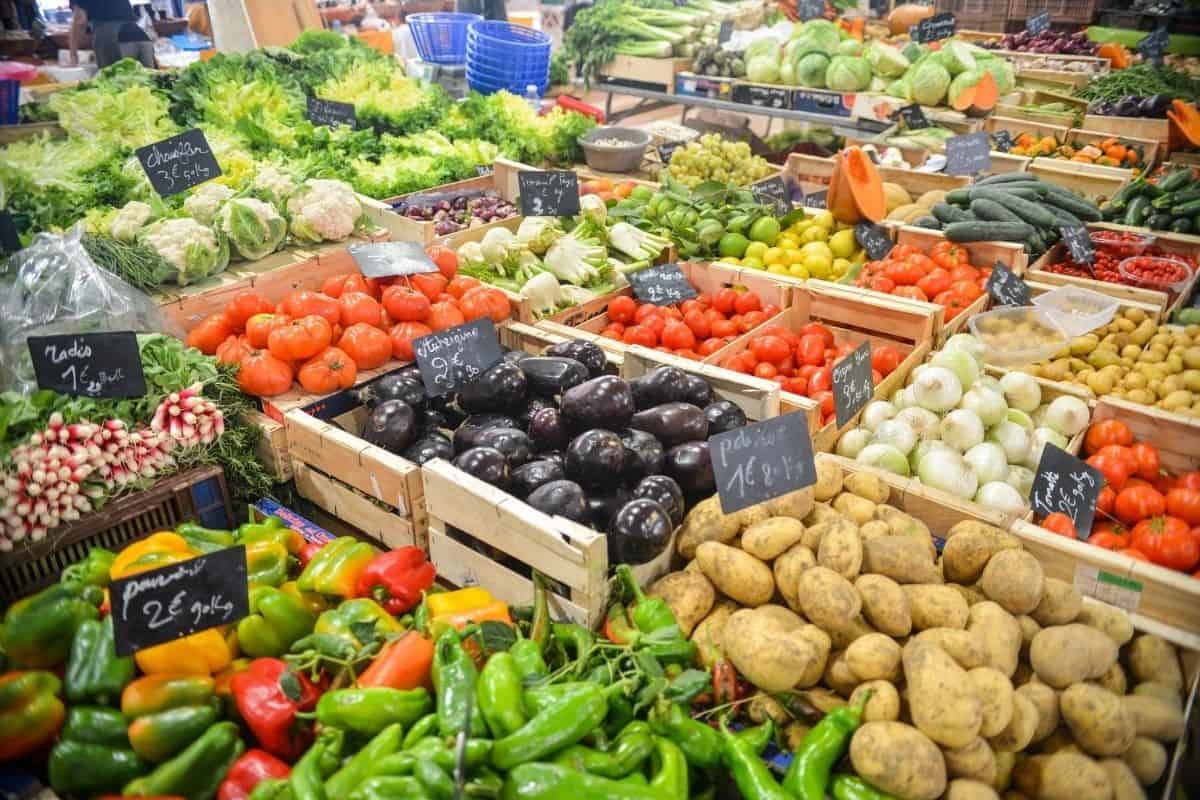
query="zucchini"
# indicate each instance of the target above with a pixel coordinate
(988, 231)
(958, 197)
(1110, 213)
(1181, 225)
(1069, 201)
(1022, 191)
(1138, 211)
(1007, 177)
(948, 213)
(1186, 209)
(1029, 211)
(1159, 221)
(1176, 180)
(929, 222)
(1064, 217)
(1037, 243)
(991, 210)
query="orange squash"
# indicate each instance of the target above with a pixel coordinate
(866, 187)
(1187, 119)
(905, 16)
(840, 197)
(986, 94)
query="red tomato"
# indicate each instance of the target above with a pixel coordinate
(819, 329)
(765, 370)
(903, 273)
(1109, 431)
(445, 314)
(724, 327)
(751, 320)
(796, 385)
(770, 348)
(912, 293)
(1185, 504)
(1115, 467)
(725, 300)
(655, 323)
(1188, 480)
(811, 349)
(621, 309)
(883, 284)
(1105, 500)
(885, 359)
(696, 320)
(1167, 541)
(1109, 540)
(1134, 553)
(460, 285)
(968, 290)
(403, 334)
(825, 399)
(704, 299)
(821, 381)
(678, 336)
(1060, 524)
(1146, 456)
(445, 258)
(636, 334)
(747, 302)
(964, 272)
(710, 346)
(934, 282)
(1136, 503)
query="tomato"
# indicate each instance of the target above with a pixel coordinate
(301, 338)
(934, 282)
(485, 301)
(824, 398)
(1109, 535)
(1185, 504)
(1136, 503)
(445, 258)
(638, 334)
(751, 320)
(1109, 431)
(817, 328)
(811, 349)
(1115, 467)
(796, 385)
(263, 375)
(368, 347)
(1167, 541)
(885, 359)
(699, 325)
(967, 290)
(303, 303)
(233, 349)
(912, 293)
(359, 307)
(881, 283)
(403, 334)
(725, 300)
(1134, 553)
(952, 301)
(460, 285)
(654, 323)
(1146, 456)
(405, 305)
(948, 255)
(1188, 480)
(747, 302)
(678, 336)
(259, 327)
(621, 309)
(445, 314)
(614, 331)
(724, 327)
(770, 348)
(1105, 500)
(821, 381)
(710, 346)
(903, 273)
(904, 251)
(647, 310)
(765, 369)
(1060, 524)
(704, 299)
(209, 334)
(244, 306)
(329, 370)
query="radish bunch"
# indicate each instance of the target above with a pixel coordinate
(188, 418)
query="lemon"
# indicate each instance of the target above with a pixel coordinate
(752, 263)
(792, 255)
(798, 271)
(815, 233)
(823, 219)
(731, 260)
(818, 266)
(755, 250)
(800, 225)
(842, 244)
(840, 266)
(774, 255)
(817, 249)
(777, 269)
(786, 241)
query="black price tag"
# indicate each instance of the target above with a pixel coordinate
(969, 154)
(1079, 242)
(816, 199)
(1002, 141)
(811, 9)
(177, 164)
(1153, 46)
(667, 150)
(913, 117)
(483, 170)
(662, 285)
(386, 259)
(553, 193)
(331, 113)
(773, 192)
(759, 462)
(762, 96)
(853, 383)
(172, 602)
(456, 356)
(725, 31)
(10, 242)
(1038, 22)
(931, 29)
(89, 364)
(874, 239)
(1006, 288)
(1065, 484)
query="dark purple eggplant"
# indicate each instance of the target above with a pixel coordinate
(663, 385)
(595, 458)
(467, 435)
(564, 498)
(533, 474)
(557, 456)
(639, 532)
(394, 387)
(699, 393)
(534, 404)
(587, 353)
(644, 454)
(433, 421)
(672, 423)
(690, 464)
(547, 430)
(513, 442)
(664, 491)
(501, 389)
(724, 416)
(391, 425)
(486, 463)
(603, 505)
(429, 448)
(604, 402)
(552, 375)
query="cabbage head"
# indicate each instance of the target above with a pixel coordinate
(886, 61)
(848, 74)
(956, 57)
(766, 46)
(787, 73)
(1002, 73)
(762, 69)
(810, 70)
(850, 47)
(255, 229)
(824, 35)
(929, 81)
(900, 88)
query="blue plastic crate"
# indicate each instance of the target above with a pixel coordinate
(441, 38)
(210, 504)
(10, 102)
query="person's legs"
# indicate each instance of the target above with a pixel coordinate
(105, 43)
(141, 51)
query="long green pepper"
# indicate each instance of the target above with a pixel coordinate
(499, 694)
(750, 773)
(852, 787)
(807, 778)
(671, 769)
(454, 678)
(556, 727)
(358, 768)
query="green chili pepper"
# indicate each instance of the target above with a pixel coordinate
(649, 613)
(700, 743)
(807, 777)
(852, 787)
(369, 710)
(750, 773)
(269, 789)
(437, 783)
(306, 781)
(420, 729)
(632, 747)
(356, 770)
(485, 783)
(421, 616)
(454, 677)
(390, 787)
(539, 698)
(671, 770)
(555, 728)
(540, 781)
(499, 695)
(758, 737)
(528, 661)
(539, 627)
(682, 651)
(575, 639)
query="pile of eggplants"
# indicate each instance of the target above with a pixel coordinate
(560, 432)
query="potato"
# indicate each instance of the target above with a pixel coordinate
(796, 505)
(823, 700)
(819, 639)
(873, 529)
(854, 507)
(1029, 629)
(794, 733)
(706, 522)
(787, 569)
(709, 634)
(975, 761)
(902, 524)
(838, 676)
(786, 618)
(965, 647)
(689, 595)
(846, 635)
(1062, 776)
(1153, 717)
(829, 480)
(941, 698)
(1147, 758)
(898, 759)
(1017, 735)
(995, 692)
(1112, 621)
(763, 707)
(1059, 741)
(936, 606)
(962, 789)
(736, 574)
(884, 604)
(1152, 658)
(827, 599)
(1098, 721)
(752, 515)
(969, 593)
(1152, 689)
(1045, 700)
(1113, 680)
(874, 657)
(867, 486)
(774, 535)
(901, 558)
(766, 654)
(1067, 654)
(813, 534)
(1000, 633)
(841, 550)
(1060, 603)
(1014, 579)
(965, 555)
(1124, 783)
(819, 513)
(973, 526)
(883, 704)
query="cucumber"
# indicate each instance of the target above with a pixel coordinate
(986, 209)
(1031, 212)
(932, 223)
(958, 197)
(1036, 243)
(1023, 191)
(948, 213)
(1176, 180)
(1069, 201)
(1159, 222)
(1064, 217)
(1007, 177)
(988, 231)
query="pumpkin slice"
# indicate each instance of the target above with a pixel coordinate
(840, 198)
(987, 92)
(866, 187)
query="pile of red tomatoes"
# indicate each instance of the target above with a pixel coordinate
(694, 329)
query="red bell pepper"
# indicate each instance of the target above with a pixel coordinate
(269, 700)
(248, 771)
(307, 551)
(396, 579)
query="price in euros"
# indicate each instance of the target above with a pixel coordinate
(757, 474)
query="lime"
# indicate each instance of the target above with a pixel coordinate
(733, 245)
(641, 193)
(765, 229)
(842, 244)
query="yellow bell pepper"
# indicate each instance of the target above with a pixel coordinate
(459, 601)
(311, 600)
(156, 550)
(203, 653)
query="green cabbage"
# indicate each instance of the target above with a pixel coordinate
(1002, 73)
(956, 58)
(848, 74)
(255, 229)
(810, 70)
(766, 46)
(762, 69)
(929, 81)
(850, 47)
(901, 88)
(886, 61)
(823, 34)
(914, 50)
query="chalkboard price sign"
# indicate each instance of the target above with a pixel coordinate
(177, 164)
(1038, 22)
(773, 192)
(9, 241)
(1079, 242)
(968, 154)
(552, 193)
(853, 383)
(665, 151)
(759, 462)
(331, 113)
(913, 117)
(931, 29)
(456, 356)
(387, 259)
(725, 31)
(811, 9)
(1153, 46)
(178, 600)
(89, 364)
(874, 239)
(816, 199)
(1065, 484)
(483, 170)
(662, 285)
(1006, 288)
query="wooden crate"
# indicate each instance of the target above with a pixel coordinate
(1070, 80)
(1158, 130)
(812, 173)
(1096, 187)
(656, 73)
(15, 133)
(535, 338)
(1019, 125)
(1151, 149)
(503, 181)
(272, 448)
(1018, 58)
(1004, 163)
(1064, 119)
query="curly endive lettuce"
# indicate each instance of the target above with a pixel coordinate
(383, 97)
(133, 117)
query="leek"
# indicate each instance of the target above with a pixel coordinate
(644, 49)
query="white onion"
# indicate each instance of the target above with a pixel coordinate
(1000, 496)
(852, 442)
(946, 470)
(898, 434)
(1021, 391)
(885, 457)
(1037, 442)
(968, 344)
(924, 448)
(1020, 478)
(989, 461)
(960, 362)
(1021, 418)
(876, 413)
(961, 429)
(903, 398)
(1068, 415)
(1013, 438)
(937, 389)
(988, 382)
(987, 404)
(923, 421)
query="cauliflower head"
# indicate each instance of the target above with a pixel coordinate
(255, 229)
(323, 210)
(132, 217)
(204, 203)
(273, 184)
(195, 250)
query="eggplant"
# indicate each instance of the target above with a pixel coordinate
(564, 498)
(663, 385)
(604, 402)
(602, 506)
(486, 463)
(699, 393)
(724, 416)
(467, 435)
(391, 425)
(533, 405)
(394, 386)
(433, 421)
(664, 491)
(639, 532)
(557, 456)
(533, 474)
(690, 465)
(547, 430)
(552, 375)
(644, 454)
(428, 448)
(1129, 106)
(672, 423)
(501, 389)
(587, 353)
(595, 458)
(513, 442)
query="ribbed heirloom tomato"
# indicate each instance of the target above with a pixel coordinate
(263, 375)
(1167, 541)
(259, 327)
(359, 307)
(403, 334)
(367, 346)
(304, 303)
(1109, 431)
(327, 371)
(1135, 503)
(244, 306)
(301, 338)
(209, 334)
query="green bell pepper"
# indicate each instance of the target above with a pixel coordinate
(38, 629)
(336, 567)
(197, 772)
(205, 540)
(94, 672)
(277, 620)
(157, 737)
(93, 570)
(369, 710)
(266, 564)
(390, 787)
(93, 755)
(271, 529)
(358, 622)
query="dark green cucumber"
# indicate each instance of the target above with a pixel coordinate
(958, 197)
(1031, 212)
(1138, 211)
(1037, 243)
(1186, 209)
(1064, 217)
(1176, 180)
(1159, 222)
(988, 231)
(1181, 225)
(1022, 191)
(1007, 177)
(1069, 201)
(986, 209)
(948, 213)
(930, 222)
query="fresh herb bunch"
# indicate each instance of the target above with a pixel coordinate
(136, 264)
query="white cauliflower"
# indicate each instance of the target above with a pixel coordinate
(204, 203)
(255, 229)
(196, 250)
(132, 217)
(323, 210)
(274, 184)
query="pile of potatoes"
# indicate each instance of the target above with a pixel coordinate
(986, 678)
